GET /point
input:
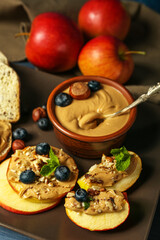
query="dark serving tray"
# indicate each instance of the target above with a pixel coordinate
(143, 138)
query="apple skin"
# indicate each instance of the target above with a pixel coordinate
(104, 17)
(31, 212)
(105, 56)
(54, 42)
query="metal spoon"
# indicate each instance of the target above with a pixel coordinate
(144, 97)
(90, 120)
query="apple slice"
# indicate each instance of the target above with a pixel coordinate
(49, 189)
(125, 182)
(11, 201)
(100, 222)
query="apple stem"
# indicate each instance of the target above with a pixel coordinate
(135, 52)
(22, 34)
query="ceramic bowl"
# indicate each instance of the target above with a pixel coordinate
(86, 146)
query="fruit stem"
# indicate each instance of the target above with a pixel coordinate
(22, 34)
(135, 52)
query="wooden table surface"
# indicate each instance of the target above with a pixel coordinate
(7, 234)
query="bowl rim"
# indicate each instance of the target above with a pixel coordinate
(63, 85)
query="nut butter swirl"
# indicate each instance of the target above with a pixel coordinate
(105, 101)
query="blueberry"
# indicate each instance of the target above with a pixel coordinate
(43, 123)
(42, 148)
(20, 133)
(27, 176)
(94, 85)
(81, 195)
(63, 99)
(62, 173)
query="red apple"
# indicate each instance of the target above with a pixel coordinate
(12, 202)
(54, 42)
(104, 17)
(106, 56)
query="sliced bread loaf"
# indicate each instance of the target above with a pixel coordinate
(9, 94)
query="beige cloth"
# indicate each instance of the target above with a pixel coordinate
(17, 15)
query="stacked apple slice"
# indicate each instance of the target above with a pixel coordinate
(11, 197)
(94, 181)
(11, 201)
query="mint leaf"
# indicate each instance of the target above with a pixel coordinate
(51, 165)
(122, 157)
(90, 198)
(123, 165)
(53, 158)
(46, 170)
(86, 205)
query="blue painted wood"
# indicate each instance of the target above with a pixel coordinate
(6, 234)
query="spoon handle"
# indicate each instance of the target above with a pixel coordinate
(144, 97)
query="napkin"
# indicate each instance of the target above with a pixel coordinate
(17, 15)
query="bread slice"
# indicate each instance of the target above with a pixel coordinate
(9, 94)
(3, 59)
(5, 139)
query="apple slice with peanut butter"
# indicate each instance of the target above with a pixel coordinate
(119, 171)
(97, 210)
(42, 175)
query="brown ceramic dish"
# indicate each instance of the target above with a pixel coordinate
(83, 146)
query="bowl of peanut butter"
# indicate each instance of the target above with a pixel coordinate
(78, 109)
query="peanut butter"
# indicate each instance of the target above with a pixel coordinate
(44, 188)
(105, 173)
(5, 135)
(87, 117)
(103, 201)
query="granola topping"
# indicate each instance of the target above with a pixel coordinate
(44, 187)
(105, 173)
(103, 201)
